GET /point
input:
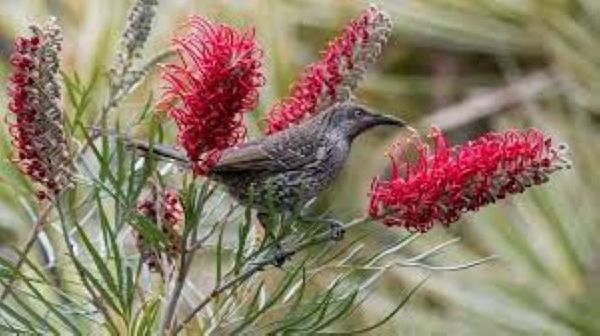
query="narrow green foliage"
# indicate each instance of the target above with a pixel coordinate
(393, 312)
(26, 321)
(219, 258)
(103, 268)
(151, 233)
(242, 237)
(273, 299)
(79, 98)
(32, 315)
(145, 318)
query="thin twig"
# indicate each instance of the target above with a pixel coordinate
(184, 268)
(39, 224)
(175, 293)
(492, 101)
(98, 303)
(452, 268)
(199, 242)
(121, 92)
(116, 94)
(215, 292)
(187, 256)
(153, 61)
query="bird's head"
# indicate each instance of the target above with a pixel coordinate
(353, 119)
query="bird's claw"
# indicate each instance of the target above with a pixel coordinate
(336, 230)
(281, 256)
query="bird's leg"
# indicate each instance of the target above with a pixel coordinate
(336, 228)
(281, 255)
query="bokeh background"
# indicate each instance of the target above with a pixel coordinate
(465, 65)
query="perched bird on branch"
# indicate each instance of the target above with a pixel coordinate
(285, 170)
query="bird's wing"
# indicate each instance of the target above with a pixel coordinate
(280, 152)
(247, 156)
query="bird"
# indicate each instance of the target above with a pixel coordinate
(287, 169)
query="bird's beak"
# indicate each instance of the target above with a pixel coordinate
(385, 119)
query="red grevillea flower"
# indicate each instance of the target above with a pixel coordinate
(447, 181)
(166, 212)
(213, 85)
(37, 122)
(330, 80)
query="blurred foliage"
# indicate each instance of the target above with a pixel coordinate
(443, 52)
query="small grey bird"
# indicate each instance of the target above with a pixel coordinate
(287, 169)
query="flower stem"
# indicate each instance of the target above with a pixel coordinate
(39, 224)
(97, 301)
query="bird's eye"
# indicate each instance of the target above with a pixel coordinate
(359, 113)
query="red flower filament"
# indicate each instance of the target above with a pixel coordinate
(214, 84)
(447, 181)
(331, 80)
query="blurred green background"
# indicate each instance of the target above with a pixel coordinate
(465, 65)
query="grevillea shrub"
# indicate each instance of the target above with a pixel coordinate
(133, 246)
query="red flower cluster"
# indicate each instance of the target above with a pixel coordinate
(330, 80)
(168, 212)
(34, 98)
(216, 82)
(448, 181)
(170, 208)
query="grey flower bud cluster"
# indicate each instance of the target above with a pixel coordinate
(134, 37)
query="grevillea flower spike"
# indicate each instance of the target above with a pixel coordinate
(125, 72)
(37, 125)
(331, 80)
(165, 210)
(447, 181)
(210, 89)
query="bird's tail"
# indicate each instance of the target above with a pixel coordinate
(160, 151)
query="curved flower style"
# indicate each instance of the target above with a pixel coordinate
(216, 82)
(330, 80)
(37, 128)
(168, 212)
(447, 181)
